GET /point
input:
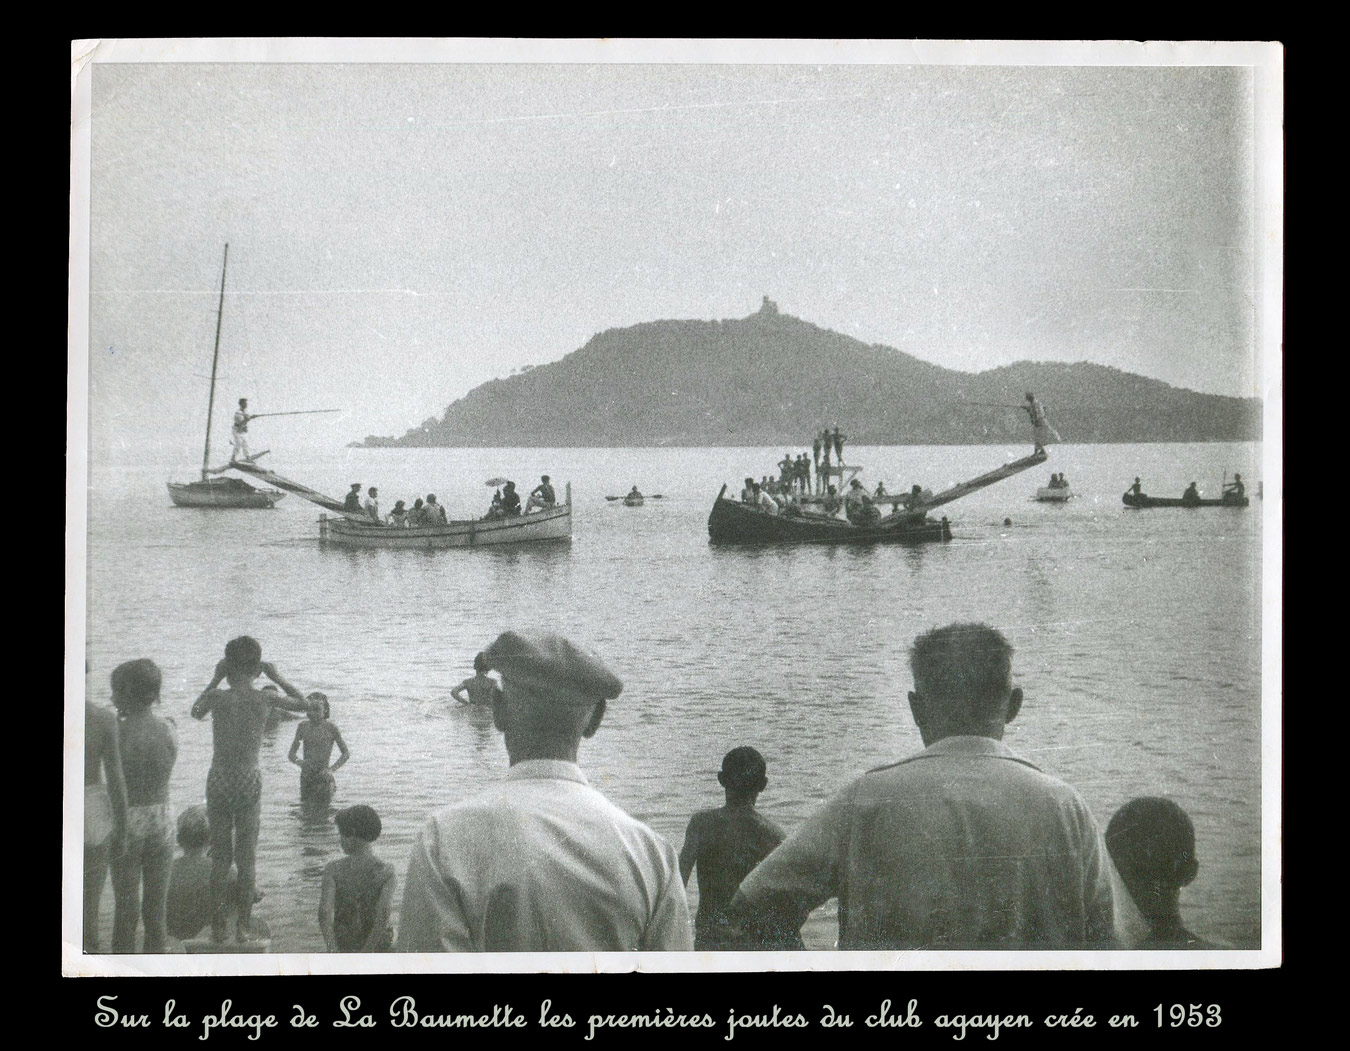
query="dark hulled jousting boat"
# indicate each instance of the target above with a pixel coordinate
(1141, 500)
(734, 522)
(220, 492)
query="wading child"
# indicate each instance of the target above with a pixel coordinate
(234, 783)
(358, 890)
(318, 735)
(479, 688)
(724, 845)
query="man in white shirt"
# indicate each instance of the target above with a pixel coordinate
(372, 504)
(542, 862)
(239, 432)
(764, 501)
(963, 846)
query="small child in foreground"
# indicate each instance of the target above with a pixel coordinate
(188, 909)
(1152, 842)
(725, 845)
(358, 890)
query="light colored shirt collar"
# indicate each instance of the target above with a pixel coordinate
(970, 744)
(546, 769)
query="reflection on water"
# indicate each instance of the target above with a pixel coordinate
(1137, 636)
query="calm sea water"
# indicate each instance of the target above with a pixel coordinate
(1137, 636)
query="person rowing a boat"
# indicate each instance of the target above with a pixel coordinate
(1235, 490)
(541, 495)
(633, 494)
(1137, 489)
(239, 432)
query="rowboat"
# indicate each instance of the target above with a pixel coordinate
(633, 501)
(345, 529)
(734, 522)
(1142, 501)
(553, 523)
(220, 492)
(1053, 495)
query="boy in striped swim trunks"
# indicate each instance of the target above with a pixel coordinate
(234, 783)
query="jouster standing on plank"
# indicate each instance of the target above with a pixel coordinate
(239, 432)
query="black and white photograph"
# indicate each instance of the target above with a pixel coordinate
(673, 505)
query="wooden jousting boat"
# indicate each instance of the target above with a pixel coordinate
(348, 530)
(1141, 500)
(734, 522)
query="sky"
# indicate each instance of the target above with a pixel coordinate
(400, 233)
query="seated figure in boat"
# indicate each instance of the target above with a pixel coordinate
(541, 496)
(1235, 490)
(1137, 489)
(633, 494)
(434, 511)
(881, 490)
(748, 493)
(1063, 482)
(858, 506)
(505, 502)
(831, 504)
(418, 516)
(764, 501)
(353, 501)
(399, 515)
(372, 505)
(1191, 495)
(913, 499)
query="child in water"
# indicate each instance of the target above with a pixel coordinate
(725, 844)
(318, 735)
(479, 688)
(358, 890)
(1152, 842)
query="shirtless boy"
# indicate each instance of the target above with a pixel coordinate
(234, 783)
(725, 844)
(478, 688)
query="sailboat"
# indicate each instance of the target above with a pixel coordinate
(213, 491)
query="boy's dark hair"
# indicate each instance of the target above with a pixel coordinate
(1152, 838)
(359, 822)
(317, 696)
(243, 652)
(135, 684)
(743, 770)
(194, 828)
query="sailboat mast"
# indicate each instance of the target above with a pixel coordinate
(215, 357)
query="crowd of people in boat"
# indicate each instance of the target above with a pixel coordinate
(971, 848)
(771, 496)
(505, 503)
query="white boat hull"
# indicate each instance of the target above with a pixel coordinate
(537, 526)
(204, 494)
(1053, 496)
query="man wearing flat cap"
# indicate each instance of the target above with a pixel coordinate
(542, 862)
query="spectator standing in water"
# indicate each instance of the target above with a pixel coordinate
(724, 845)
(105, 810)
(358, 889)
(234, 783)
(317, 735)
(149, 748)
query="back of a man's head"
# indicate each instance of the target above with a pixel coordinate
(964, 670)
(243, 658)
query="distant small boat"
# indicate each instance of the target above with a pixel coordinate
(1140, 500)
(633, 500)
(1053, 495)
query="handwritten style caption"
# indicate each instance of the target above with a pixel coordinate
(404, 1013)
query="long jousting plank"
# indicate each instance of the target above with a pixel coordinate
(996, 475)
(304, 491)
